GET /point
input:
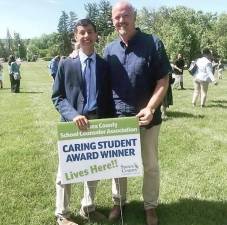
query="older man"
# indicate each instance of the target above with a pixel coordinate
(139, 72)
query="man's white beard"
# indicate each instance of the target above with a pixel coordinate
(122, 31)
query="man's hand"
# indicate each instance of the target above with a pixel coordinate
(145, 116)
(81, 122)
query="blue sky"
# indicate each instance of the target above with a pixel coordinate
(32, 18)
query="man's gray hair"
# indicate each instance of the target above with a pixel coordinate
(125, 2)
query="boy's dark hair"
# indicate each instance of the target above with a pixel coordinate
(84, 23)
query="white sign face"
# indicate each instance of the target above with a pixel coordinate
(110, 148)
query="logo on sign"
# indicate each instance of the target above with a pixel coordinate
(130, 168)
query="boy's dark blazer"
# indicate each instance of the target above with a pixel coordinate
(67, 93)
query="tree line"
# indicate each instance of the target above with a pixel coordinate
(183, 30)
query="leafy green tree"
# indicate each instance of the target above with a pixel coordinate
(72, 22)
(3, 51)
(54, 45)
(64, 34)
(146, 20)
(103, 41)
(182, 29)
(20, 49)
(41, 42)
(92, 11)
(100, 14)
(45, 46)
(9, 42)
(105, 26)
(219, 36)
(32, 52)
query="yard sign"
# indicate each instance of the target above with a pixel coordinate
(109, 148)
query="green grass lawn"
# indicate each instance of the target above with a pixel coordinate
(193, 158)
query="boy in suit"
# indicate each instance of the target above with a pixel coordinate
(81, 91)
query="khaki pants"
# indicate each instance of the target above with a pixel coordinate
(178, 80)
(151, 178)
(200, 89)
(63, 193)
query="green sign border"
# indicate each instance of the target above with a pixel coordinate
(99, 127)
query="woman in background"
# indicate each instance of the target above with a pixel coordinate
(203, 76)
(14, 74)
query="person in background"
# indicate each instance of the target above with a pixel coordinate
(14, 74)
(53, 66)
(220, 69)
(168, 99)
(214, 65)
(81, 91)
(203, 76)
(1, 75)
(139, 72)
(178, 69)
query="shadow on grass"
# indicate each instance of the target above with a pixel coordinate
(176, 114)
(191, 89)
(219, 101)
(182, 212)
(185, 89)
(218, 104)
(31, 92)
(5, 88)
(193, 212)
(132, 215)
(22, 92)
